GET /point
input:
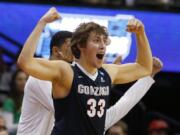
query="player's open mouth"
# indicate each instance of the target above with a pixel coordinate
(100, 56)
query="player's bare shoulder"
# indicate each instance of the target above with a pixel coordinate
(65, 70)
(63, 82)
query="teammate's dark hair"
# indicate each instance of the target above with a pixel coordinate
(59, 38)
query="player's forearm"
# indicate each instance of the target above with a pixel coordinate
(27, 54)
(144, 55)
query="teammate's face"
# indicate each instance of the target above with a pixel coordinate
(66, 51)
(95, 50)
(63, 52)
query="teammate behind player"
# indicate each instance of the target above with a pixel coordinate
(37, 113)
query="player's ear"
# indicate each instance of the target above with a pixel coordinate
(55, 51)
(82, 46)
(79, 47)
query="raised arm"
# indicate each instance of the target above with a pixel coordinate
(142, 67)
(39, 68)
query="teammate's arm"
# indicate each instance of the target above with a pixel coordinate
(142, 67)
(132, 96)
(128, 101)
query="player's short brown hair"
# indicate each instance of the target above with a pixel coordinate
(82, 33)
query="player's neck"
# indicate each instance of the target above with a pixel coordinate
(52, 57)
(86, 66)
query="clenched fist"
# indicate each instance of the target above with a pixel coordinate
(135, 26)
(50, 16)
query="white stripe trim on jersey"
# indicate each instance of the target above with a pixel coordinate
(93, 77)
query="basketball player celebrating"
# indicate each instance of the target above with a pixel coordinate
(37, 114)
(80, 92)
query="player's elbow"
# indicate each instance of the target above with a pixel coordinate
(147, 70)
(22, 63)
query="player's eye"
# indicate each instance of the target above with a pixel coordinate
(96, 40)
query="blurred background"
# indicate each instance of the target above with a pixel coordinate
(161, 19)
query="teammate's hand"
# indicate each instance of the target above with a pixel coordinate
(135, 26)
(50, 16)
(118, 60)
(157, 66)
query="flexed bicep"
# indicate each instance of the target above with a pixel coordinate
(39, 68)
(44, 69)
(125, 73)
